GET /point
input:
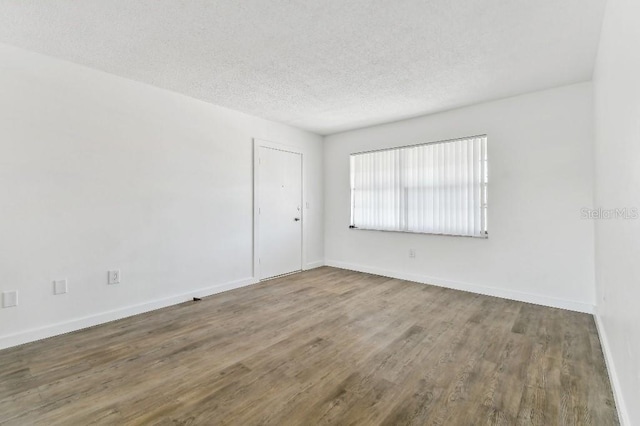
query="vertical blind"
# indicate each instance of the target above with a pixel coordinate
(435, 188)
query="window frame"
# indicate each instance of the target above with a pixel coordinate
(484, 188)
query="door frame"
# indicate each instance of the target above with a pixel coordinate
(257, 144)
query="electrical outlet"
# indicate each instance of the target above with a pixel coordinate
(9, 299)
(60, 287)
(114, 277)
(412, 253)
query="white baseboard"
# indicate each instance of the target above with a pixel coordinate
(313, 265)
(473, 288)
(34, 334)
(623, 413)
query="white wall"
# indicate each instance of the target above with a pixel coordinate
(98, 172)
(617, 149)
(540, 165)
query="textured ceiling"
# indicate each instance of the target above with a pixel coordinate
(325, 66)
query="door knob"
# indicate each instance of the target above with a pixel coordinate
(296, 219)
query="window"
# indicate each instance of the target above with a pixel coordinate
(434, 188)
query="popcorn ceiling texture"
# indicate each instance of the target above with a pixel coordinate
(324, 66)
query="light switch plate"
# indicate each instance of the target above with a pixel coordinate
(60, 286)
(9, 299)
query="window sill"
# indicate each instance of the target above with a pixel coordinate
(482, 237)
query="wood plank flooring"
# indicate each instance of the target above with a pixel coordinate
(327, 346)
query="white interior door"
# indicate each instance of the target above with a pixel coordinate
(280, 212)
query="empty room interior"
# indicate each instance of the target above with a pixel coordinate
(349, 212)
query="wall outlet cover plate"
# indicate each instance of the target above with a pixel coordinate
(60, 286)
(114, 277)
(9, 299)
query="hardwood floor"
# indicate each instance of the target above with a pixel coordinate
(327, 346)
